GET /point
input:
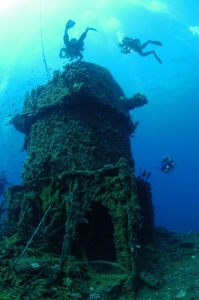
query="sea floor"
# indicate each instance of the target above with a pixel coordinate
(172, 265)
(168, 270)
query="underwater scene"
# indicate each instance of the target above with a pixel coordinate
(99, 127)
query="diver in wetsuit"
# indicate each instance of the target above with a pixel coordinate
(167, 164)
(129, 44)
(73, 47)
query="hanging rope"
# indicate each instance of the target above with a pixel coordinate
(30, 240)
(42, 44)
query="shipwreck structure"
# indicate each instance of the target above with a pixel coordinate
(79, 167)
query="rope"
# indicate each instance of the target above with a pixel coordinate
(42, 44)
(18, 259)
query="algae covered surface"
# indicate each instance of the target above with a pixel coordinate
(81, 226)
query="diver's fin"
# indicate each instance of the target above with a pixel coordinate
(70, 24)
(90, 28)
(158, 59)
(156, 43)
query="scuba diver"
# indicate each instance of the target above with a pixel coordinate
(129, 44)
(168, 164)
(73, 47)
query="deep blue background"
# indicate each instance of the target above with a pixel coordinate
(169, 124)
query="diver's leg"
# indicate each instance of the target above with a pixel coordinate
(66, 38)
(82, 37)
(84, 34)
(144, 45)
(151, 42)
(150, 52)
(158, 59)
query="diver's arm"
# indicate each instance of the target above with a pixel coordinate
(61, 53)
(126, 50)
(80, 56)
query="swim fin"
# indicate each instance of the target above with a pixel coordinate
(156, 43)
(158, 59)
(70, 24)
(90, 28)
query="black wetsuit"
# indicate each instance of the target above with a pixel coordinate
(74, 47)
(129, 44)
(168, 164)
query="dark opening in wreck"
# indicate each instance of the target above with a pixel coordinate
(95, 238)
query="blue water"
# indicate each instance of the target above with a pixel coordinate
(169, 124)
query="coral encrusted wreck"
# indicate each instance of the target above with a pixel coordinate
(79, 163)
